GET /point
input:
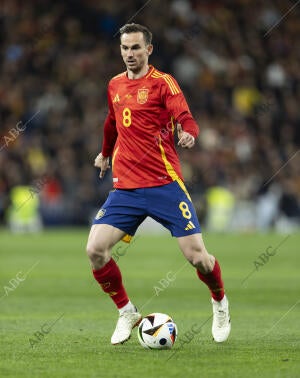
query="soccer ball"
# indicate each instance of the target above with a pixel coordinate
(157, 331)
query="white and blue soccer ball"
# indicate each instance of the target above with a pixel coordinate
(157, 331)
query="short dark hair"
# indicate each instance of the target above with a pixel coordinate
(135, 28)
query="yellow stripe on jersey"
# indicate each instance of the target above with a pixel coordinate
(173, 124)
(150, 72)
(172, 85)
(114, 155)
(157, 74)
(171, 171)
(169, 80)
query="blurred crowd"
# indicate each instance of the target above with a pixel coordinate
(237, 62)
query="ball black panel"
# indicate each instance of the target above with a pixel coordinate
(163, 341)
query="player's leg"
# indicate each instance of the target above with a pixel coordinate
(193, 248)
(105, 270)
(183, 223)
(101, 240)
(111, 224)
(107, 273)
(209, 272)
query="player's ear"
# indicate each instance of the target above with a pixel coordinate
(149, 49)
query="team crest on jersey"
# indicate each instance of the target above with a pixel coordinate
(100, 214)
(142, 95)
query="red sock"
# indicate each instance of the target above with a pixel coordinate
(110, 279)
(214, 282)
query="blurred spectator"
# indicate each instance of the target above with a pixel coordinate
(240, 74)
(220, 209)
(23, 213)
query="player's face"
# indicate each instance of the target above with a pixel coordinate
(134, 51)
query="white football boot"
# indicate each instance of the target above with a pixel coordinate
(221, 320)
(126, 322)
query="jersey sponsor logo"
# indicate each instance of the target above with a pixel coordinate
(100, 214)
(115, 179)
(190, 226)
(142, 95)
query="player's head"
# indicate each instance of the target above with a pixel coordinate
(136, 46)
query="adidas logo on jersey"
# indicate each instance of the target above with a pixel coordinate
(190, 226)
(117, 98)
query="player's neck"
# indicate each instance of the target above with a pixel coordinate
(137, 75)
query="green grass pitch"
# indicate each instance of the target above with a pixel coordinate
(56, 322)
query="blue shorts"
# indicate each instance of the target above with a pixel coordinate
(170, 205)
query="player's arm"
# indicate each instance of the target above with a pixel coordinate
(110, 135)
(175, 102)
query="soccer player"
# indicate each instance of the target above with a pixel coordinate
(144, 107)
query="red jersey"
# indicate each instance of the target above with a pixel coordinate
(139, 128)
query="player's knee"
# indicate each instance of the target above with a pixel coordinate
(198, 257)
(198, 260)
(97, 255)
(94, 251)
(203, 262)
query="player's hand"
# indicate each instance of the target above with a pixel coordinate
(102, 163)
(186, 140)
